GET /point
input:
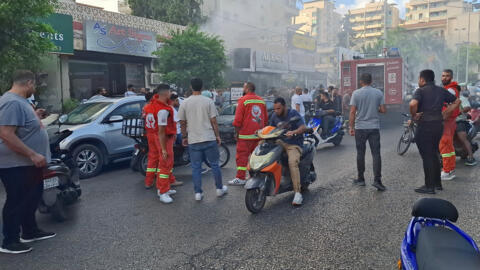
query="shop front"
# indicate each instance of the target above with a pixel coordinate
(113, 57)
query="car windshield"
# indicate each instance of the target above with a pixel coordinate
(229, 110)
(86, 113)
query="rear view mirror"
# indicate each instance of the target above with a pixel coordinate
(115, 118)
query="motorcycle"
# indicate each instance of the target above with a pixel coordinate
(268, 168)
(61, 184)
(336, 132)
(471, 134)
(134, 128)
(432, 241)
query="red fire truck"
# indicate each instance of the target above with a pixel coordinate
(387, 75)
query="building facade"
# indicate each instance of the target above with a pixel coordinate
(368, 22)
(423, 11)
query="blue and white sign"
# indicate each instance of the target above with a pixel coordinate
(110, 38)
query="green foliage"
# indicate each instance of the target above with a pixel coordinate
(70, 104)
(459, 63)
(182, 12)
(190, 54)
(20, 44)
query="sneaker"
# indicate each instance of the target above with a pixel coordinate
(471, 162)
(359, 182)
(222, 191)
(165, 198)
(198, 196)
(448, 176)
(170, 192)
(425, 190)
(237, 182)
(176, 183)
(149, 187)
(379, 186)
(37, 236)
(204, 170)
(15, 248)
(297, 199)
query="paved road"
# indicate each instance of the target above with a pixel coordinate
(120, 225)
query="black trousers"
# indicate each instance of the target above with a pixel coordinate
(373, 138)
(24, 187)
(427, 139)
(327, 124)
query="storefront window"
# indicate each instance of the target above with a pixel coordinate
(85, 77)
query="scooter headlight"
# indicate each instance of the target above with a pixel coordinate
(257, 162)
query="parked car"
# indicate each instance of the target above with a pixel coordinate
(227, 115)
(96, 138)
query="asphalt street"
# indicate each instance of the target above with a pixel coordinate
(117, 224)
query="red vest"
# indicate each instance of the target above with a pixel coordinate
(171, 128)
(453, 86)
(150, 112)
(250, 116)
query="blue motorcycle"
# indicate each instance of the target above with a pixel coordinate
(432, 242)
(336, 134)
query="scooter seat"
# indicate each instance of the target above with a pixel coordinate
(439, 248)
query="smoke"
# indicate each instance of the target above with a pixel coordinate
(343, 8)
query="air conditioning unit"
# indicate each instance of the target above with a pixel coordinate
(155, 78)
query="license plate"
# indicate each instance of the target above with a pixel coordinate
(51, 182)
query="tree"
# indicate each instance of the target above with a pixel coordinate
(190, 54)
(20, 43)
(459, 62)
(182, 12)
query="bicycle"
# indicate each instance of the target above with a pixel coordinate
(408, 135)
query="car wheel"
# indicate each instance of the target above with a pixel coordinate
(89, 159)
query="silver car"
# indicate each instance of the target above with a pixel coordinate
(97, 139)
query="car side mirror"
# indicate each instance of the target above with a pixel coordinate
(63, 118)
(115, 119)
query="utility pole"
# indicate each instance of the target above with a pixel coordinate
(385, 9)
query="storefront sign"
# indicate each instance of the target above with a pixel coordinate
(271, 62)
(236, 93)
(110, 38)
(62, 37)
(303, 42)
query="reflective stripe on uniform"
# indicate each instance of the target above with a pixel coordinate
(242, 168)
(164, 176)
(253, 101)
(452, 154)
(151, 170)
(247, 137)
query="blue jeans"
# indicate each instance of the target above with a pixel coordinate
(200, 152)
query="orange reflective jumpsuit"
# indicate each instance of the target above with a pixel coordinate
(447, 150)
(165, 172)
(150, 112)
(250, 116)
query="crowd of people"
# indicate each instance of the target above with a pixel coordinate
(24, 147)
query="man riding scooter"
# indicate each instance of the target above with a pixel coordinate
(462, 127)
(328, 120)
(293, 144)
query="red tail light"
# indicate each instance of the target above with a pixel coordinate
(49, 174)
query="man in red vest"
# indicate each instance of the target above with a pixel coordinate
(250, 116)
(447, 150)
(161, 130)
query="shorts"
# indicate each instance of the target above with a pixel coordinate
(462, 126)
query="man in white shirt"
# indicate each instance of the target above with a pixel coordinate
(130, 91)
(297, 102)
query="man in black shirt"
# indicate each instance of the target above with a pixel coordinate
(328, 120)
(426, 108)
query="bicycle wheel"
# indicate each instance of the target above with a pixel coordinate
(405, 141)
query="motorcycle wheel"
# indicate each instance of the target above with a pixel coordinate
(58, 211)
(337, 140)
(255, 200)
(134, 164)
(224, 156)
(404, 142)
(143, 164)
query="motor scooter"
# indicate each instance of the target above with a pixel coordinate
(433, 242)
(471, 134)
(336, 132)
(61, 184)
(269, 171)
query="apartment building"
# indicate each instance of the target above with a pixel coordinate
(368, 22)
(423, 11)
(320, 20)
